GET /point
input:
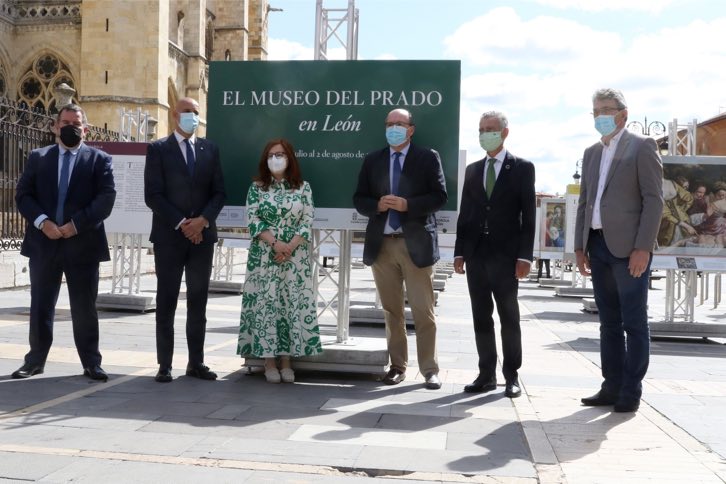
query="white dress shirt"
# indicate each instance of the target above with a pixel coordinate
(606, 160)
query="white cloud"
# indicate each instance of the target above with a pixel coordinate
(650, 6)
(281, 49)
(545, 86)
(502, 38)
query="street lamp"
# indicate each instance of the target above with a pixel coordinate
(577, 176)
(656, 129)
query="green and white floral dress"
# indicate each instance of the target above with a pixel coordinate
(279, 313)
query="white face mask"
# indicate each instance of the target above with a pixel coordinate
(277, 164)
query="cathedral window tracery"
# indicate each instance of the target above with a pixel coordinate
(37, 86)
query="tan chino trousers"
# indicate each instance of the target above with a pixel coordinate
(392, 267)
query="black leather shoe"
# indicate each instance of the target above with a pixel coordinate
(512, 389)
(394, 377)
(626, 406)
(28, 370)
(432, 381)
(95, 373)
(600, 399)
(163, 375)
(202, 372)
(481, 385)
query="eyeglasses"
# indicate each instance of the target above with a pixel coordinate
(606, 111)
(398, 123)
(279, 155)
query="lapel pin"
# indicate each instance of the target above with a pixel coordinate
(507, 166)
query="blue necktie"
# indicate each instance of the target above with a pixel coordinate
(62, 187)
(394, 218)
(190, 157)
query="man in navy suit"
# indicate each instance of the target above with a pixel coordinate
(399, 189)
(495, 239)
(184, 188)
(65, 193)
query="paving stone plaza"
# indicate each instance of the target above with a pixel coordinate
(346, 427)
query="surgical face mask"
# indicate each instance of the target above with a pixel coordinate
(605, 124)
(396, 135)
(71, 135)
(277, 163)
(188, 122)
(490, 140)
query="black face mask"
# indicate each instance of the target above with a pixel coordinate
(71, 135)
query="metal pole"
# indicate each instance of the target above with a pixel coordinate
(346, 239)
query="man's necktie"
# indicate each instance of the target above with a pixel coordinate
(190, 157)
(63, 187)
(491, 177)
(394, 218)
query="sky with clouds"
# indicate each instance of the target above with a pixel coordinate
(539, 61)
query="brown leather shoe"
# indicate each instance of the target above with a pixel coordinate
(394, 377)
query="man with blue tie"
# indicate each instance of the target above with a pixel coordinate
(65, 193)
(495, 240)
(399, 189)
(184, 188)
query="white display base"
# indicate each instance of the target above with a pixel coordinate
(357, 355)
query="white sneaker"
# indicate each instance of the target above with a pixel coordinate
(272, 375)
(287, 375)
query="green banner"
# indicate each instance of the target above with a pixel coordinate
(333, 113)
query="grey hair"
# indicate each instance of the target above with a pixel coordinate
(503, 122)
(608, 94)
(74, 108)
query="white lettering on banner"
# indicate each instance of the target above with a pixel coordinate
(343, 98)
(347, 125)
(412, 98)
(231, 98)
(285, 98)
(332, 98)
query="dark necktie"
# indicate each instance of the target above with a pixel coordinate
(491, 177)
(394, 218)
(190, 157)
(63, 187)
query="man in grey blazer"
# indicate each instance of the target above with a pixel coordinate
(618, 216)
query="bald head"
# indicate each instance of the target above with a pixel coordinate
(399, 128)
(186, 115)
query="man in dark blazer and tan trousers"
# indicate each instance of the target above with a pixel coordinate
(399, 189)
(184, 188)
(65, 193)
(495, 240)
(618, 216)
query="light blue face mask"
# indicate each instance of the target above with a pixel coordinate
(188, 122)
(396, 135)
(605, 124)
(490, 140)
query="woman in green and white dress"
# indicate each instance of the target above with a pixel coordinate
(279, 312)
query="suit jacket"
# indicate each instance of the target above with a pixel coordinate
(422, 184)
(88, 203)
(632, 200)
(508, 215)
(172, 194)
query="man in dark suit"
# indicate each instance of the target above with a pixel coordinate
(495, 239)
(618, 217)
(399, 189)
(184, 188)
(65, 193)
